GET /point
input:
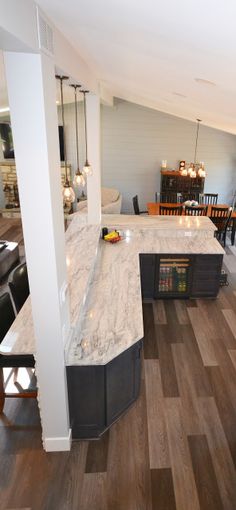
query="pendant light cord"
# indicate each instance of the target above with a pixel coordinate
(85, 124)
(76, 129)
(61, 78)
(195, 154)
(76, 125)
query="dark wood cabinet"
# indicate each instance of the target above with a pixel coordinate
(147, 270)
(122, 382)
(98, 395)
(173, 183)
(180, 276)
(206, 275)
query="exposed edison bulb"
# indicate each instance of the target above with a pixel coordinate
(79, 179)
(68, 193)
(190, 168)
(202, 172)
(87, 170)
(193, 173)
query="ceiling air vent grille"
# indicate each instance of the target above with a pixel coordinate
(45, 34)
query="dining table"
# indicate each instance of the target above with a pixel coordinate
(153, 208)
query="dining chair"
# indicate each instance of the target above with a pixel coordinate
(136, 206)
(168, 197)
(196, 211)
(190, 196)
(171, 210)
(19, 285)
(208, 198)
(9, 360)
(221, 218)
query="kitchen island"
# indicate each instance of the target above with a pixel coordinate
(105, 284)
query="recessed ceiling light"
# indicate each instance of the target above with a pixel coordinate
(179, 94)
(205, 82)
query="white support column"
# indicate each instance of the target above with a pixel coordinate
(32, 98)
(94, 157)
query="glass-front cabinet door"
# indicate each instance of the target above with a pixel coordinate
(173, 276)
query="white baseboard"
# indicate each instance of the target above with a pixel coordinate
(57, 444)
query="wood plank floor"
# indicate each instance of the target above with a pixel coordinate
(175, 449)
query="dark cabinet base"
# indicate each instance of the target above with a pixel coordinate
(206, 272)
(98, 395)
(203, 276)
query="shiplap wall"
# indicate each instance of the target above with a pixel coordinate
(136, 139)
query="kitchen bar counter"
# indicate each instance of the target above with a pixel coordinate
(167, 226)
(104, 283)
(112, 319)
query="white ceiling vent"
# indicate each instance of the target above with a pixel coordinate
(45, 34)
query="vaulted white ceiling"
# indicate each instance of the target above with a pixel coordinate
(68, 91)
(152, 51)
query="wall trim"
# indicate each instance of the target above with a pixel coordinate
(57, 444)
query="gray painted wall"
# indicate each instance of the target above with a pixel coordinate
(136, 139)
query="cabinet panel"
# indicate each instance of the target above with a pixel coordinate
(205, 288)
(147, 270)
(98, 395)
(206, 275)
(122, 382)
(86, 400)
(207, 262)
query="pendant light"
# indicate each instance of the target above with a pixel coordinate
(193, 173)
(198, 167)
(195, 153)
(68, 192)
(184, 172)
(79, 179)
(195, 169)
(87, 170)
(191, 166)
(202, 171)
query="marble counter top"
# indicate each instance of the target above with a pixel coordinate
(167, 226)
(112, 319)
(81, 252)
(104, 284)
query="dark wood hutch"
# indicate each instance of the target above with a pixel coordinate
(189, 187)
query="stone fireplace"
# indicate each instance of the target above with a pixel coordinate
(9, 192)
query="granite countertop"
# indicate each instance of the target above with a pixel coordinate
(81, 252)
(104, 284)
(196, 223)
(112, 319)
(173, 226)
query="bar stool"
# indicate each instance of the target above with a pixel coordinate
(11, 360)
(19, 285)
